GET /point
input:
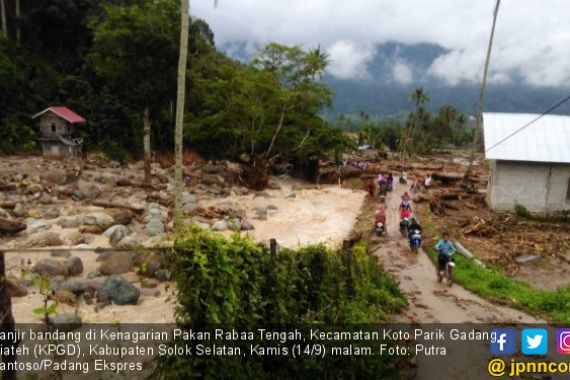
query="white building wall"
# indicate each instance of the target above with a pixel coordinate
(540, 187)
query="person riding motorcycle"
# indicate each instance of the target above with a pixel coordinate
(445, 250)
(380, 217)
(390, 182)
(405, 208)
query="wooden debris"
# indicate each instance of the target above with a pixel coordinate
(8, 186)
(8, 226)
(117, 205)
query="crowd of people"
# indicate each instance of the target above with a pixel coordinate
(384, 183)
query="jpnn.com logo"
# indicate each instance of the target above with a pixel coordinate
(504, 341)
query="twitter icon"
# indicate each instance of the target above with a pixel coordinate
(534, 341)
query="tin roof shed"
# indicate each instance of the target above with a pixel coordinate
(545, 140)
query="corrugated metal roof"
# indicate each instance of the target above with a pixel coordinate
(545, 140)
(65, 113)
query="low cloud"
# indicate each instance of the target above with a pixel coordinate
(531, 38)
(350, 60)
(402, 72)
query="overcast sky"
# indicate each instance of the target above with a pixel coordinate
(532, 39)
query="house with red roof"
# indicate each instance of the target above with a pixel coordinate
(59, 132)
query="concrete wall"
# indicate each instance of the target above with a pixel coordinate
(56, 149)
(540, 187)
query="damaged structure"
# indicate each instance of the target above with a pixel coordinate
(529, 158)
(59, 135)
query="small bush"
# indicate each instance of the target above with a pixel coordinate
(237, 284)
(522, 211)
(113, 151)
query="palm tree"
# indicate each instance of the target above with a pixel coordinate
(419, 97)
(180, 99)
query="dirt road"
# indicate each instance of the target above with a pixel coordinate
(429, 300)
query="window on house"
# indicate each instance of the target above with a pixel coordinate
(53, 128)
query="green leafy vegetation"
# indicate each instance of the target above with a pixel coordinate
(238, 284)
(120, 74)
(522, 211)
(420, 132)
(494, 285)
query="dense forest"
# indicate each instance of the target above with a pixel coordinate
(115, 64)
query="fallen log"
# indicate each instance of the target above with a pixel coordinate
(450, 206)
(8, 186)
(8, 226)
(449, 196)
(463, 251)
(117, 205)
(7, 204)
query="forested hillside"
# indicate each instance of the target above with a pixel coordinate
(115, 64)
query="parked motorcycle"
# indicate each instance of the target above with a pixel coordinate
(415, 238)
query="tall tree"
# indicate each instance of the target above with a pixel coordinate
(135, 49)
(419, 97)
(181, 94)
(295, 73)
(3, 17)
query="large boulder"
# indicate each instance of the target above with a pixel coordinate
(128, 242)
(74, 266)
(220, 225)
(15, 287)
(55, 176)
(36, 225)
(116, 233)
(99, 219)
(50, 268)
(154, 227)
(75, 286)
(66, 321)
(120, 291)
(121, 216)
(118, 263)
(43, 239)
(88, 189)
(4, 214)
(19, 210)
(70, 222)
(189, 198)
(246, 226)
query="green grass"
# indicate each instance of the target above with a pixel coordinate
(493, 284)
(522, 212)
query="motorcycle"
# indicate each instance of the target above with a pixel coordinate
(382, 192)
(379, 229)
(415, 238)
(403, 180)
(447, 272)
(404, 226)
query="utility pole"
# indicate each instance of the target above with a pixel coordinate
(479, 115)
(180, 102)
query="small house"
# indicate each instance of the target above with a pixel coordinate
(59, 132)
(529, 160)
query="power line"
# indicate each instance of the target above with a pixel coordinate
(530, 123)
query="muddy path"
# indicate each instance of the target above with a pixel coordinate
(430, 301)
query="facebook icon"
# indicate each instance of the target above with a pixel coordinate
(503, 341)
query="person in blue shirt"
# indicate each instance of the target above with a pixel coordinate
(445, 248)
